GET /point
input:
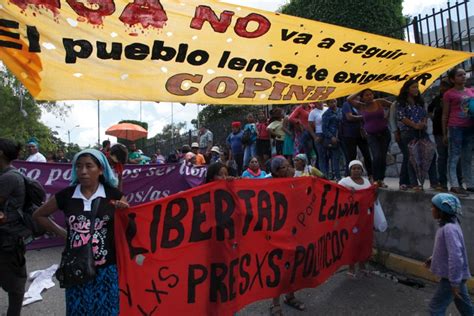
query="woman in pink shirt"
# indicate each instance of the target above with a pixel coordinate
(458, 129)
(303, 131)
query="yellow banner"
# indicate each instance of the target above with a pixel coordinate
(199, 51)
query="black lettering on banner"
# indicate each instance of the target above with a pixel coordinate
(115, 51)
(11, 25)
(154, 227)
(258, 273)
(326, 43)
(224, 219)
(194, 280)
(137, 51)
(274, 254)
(232, 290)
(157, 292)
(173, 223)
(33, 39)
(128, 295)
(85, 49)
(171, 276)
(281, 210)
(332, 212)
(327, 189)
(247, 195)
(217, 286)
(244, 275)
(199, 217)
(309, 260)
(130, 233)
(264, 211)
(145, 313)
(299, 259)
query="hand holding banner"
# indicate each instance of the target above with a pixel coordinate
(213, 249)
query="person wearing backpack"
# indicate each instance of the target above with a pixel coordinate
(12, 230)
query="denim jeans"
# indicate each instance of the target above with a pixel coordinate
(461, 142)
(442, 150)
(249, 152)
(444, 296)
(378, 144)
(334, 154)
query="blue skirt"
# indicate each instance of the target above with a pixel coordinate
(99, 297)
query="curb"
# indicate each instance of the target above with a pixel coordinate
(409, 266)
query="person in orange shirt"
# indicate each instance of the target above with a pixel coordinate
(200, 160)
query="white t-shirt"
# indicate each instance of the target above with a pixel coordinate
(38, 157)
(316, 116)
(349, 183)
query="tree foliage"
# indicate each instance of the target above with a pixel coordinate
(382, 17)
(20, 115)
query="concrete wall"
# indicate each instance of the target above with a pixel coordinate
(411, 227)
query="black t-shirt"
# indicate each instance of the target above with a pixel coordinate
(12, 190)
(436, 107)
(78, 224)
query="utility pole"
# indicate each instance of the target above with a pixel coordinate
(98, 123)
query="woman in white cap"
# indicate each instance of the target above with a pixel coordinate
(356, 182)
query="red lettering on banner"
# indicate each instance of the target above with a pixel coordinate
(204, 13)
(230, 243)
(242, 23)
(144, 12)
(52, 5)
(94, 15)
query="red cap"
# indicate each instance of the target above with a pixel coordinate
(236, 124)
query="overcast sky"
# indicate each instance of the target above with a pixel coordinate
(84, 113)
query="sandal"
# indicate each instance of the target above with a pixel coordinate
(275, 310)
(418, 188)
(351, 275)
(403, 187)
(458, 191)
(294, 302)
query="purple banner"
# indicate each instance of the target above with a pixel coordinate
(141, 184)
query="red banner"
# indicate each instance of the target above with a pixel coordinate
(214, 249)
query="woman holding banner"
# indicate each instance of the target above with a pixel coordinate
(355, 182)
(280, 168)
(376, 127)
(92, 197)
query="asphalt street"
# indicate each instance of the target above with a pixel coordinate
(340, 295)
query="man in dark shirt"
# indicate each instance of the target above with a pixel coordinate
(234, 141)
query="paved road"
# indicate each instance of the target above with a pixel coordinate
(340, 295)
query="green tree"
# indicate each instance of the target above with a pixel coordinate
(20, 115)
(382, 17)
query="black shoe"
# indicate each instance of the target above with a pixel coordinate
(470, 190)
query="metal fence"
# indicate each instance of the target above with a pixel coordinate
(451, 28)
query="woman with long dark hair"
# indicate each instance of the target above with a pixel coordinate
(12, 229)
(412, 123)
(92, 193)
